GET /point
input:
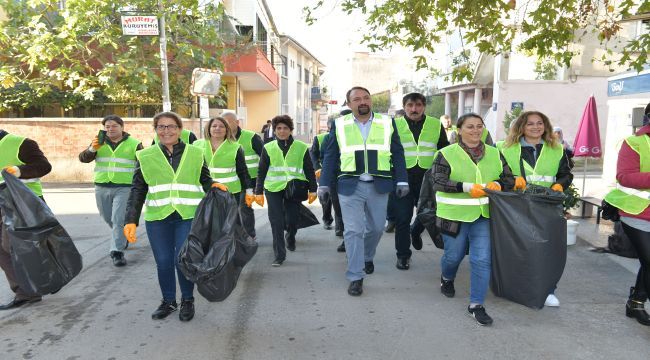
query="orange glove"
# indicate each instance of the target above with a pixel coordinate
(520, 183)
(249, 198)
(317, 174)
(259, 199)
(220, 186)
(477, 191)
(557, 187)
(13, 170)
(494, 186)
(95, 144)
(311, 197)
(129, 232)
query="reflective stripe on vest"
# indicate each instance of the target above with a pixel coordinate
(461, 206)
(546, 166)
(222, 163)
(283, 169)
(9, 148)
(251, 157)
(116, 166)
(419, 153)
(633, 201)
(350, 140)
(170, 191)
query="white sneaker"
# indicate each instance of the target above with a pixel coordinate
(552, 300)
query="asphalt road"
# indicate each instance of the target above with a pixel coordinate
(301, 310)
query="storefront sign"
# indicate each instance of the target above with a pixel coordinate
(629, 85)
(140, 25)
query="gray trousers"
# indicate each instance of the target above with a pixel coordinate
(111, 203)
(363, 213)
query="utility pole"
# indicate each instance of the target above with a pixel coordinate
(167, 105)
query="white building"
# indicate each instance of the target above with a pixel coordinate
(301, 94)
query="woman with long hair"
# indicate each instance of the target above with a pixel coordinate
(531, 143)
(225, 158)
(461, 173)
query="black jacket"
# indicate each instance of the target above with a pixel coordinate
(139, 187)
(263, 169)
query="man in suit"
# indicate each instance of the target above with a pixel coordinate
(365, 152)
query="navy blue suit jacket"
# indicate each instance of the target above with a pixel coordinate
(348, 183)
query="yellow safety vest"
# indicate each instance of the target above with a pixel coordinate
(419, 153)
(9, 148)
(633, 201)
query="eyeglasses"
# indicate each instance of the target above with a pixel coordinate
(166, 127)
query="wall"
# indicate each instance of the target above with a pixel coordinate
(266, 107)
(61, 140)
(562, 101)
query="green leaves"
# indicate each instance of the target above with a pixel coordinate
(79, 52)
(548, 29)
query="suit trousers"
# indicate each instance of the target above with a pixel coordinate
(364, 214)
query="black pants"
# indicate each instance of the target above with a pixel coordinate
(338, 217)
(403, 213)
(641, 241)
(327, 211)
(246, 214)
(283, 214)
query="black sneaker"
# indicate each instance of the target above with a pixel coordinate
(165, 308)
(390, 226)
(479, 314)
(341, 247)
(277, 262)
(327, 226)
(118, 258)
(339, 233)
(447, 287)
(291, 241)
(187, 310)
(416, 240)
(369, 268)
(356, 288)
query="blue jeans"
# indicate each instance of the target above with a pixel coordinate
(476, 235)
(166, 238)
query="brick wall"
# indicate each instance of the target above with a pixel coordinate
(66, 137)
(62, 139)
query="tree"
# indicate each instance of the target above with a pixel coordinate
(546, 28)
(76, 49)
(381, 102)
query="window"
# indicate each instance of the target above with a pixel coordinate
(299, 73)
(246, 31)
(306, 76)
(284, 71)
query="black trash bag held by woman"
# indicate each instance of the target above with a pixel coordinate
(217, 247)
(528, 236)
(43, 254)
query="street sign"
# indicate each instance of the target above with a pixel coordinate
(205, 82)
(140, 25)
(204, 107)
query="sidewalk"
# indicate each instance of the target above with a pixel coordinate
(302, 310)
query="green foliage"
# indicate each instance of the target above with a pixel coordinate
(545, 70)
(546, 28)
(380, 102)
(572, 198)
(511, 116)
(79, 51)
(436, 106)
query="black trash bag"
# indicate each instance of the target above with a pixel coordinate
(217, 247)
(618, 244)
(528, 236)
(426, 209)
(306, 218)
(42, 253)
